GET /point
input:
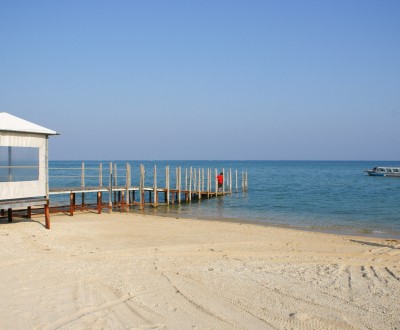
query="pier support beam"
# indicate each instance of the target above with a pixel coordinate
(99, 202)
(10, 215)
(47, 215)
(71, 204)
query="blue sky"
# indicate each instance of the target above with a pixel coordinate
(316, 80)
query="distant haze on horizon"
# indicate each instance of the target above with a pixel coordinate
(236, 80)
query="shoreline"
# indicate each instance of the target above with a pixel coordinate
(351, 231)
(345, 231)
(121, 270)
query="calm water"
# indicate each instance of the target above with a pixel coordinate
(317, 195)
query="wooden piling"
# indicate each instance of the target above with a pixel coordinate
(47, 215)
(194, 181)
(202, 179)
(230, 180)
(186, 178)
(208, 183)
(237, 181)
(216, 182)
(190, 184)
(99, 202)
(115, 183)
(167, 183)
(101, 175)
(199, 184)
(223, 182)
(128, 185)
(179, 184)
(83, 185)
(110, 189)
(141, 187)
(121, 195)
(155, 197)
(71, 204)
(83, 175)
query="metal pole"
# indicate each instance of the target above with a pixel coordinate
(9, 164)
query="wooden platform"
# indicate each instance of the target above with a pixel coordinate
(123, 198)
(25, 204)
(198, 183)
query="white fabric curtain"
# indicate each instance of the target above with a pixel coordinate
(25, 189)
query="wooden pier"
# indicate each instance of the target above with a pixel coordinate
(198, 184)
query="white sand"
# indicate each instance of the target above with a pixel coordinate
(125, 271)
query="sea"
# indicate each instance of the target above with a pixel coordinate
(323, 196)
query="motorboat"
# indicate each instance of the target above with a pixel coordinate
(384, 171)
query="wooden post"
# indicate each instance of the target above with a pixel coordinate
(10, 215)
(99, 202)
(223, 182)
(47, 214)
(83, 184)
(141, 187)
(155, 197)
(179, 184)
(167, 183)
(230, 180)
(128, 184)
(176, 178)
(208, 183)
(122, 200)
(115, 183)
(101, 175)
(190, 184)
(216, 182)
(186, 178)
(46, 160)
(199, 184)
(71, 204)
(194, 180)
(83, 175)
(236, 180)
(110, 190)
(29, 212)
(202, 179)
(242, 181)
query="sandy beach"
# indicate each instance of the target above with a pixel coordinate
(130, 271)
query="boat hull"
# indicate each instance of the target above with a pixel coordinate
(384, 171)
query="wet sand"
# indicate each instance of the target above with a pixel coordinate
(129, 271)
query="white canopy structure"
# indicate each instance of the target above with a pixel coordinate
(10, 123)
(23, 160)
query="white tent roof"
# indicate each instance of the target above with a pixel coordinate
(14, 124)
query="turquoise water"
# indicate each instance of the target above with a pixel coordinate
(332, 196)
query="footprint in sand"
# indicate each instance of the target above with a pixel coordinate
(300, 316)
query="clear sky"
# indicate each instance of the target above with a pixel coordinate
(317, 80)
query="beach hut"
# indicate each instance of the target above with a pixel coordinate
(23, 166)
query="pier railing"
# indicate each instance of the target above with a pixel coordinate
(125, 188)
